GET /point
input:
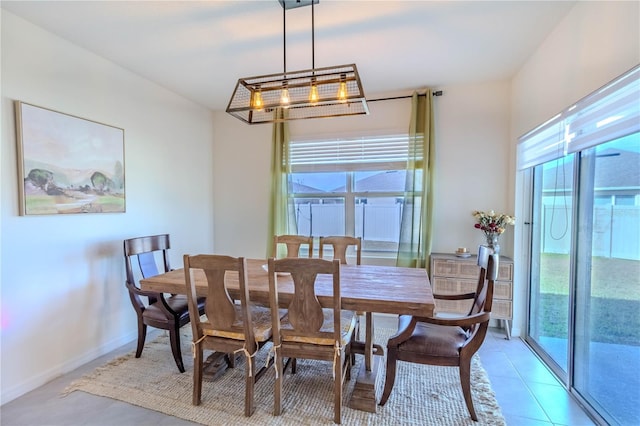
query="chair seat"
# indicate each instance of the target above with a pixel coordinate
(435, 340)
(178, 304)
(260, 317)
(348, 320)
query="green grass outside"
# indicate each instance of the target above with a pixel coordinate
(614, 299)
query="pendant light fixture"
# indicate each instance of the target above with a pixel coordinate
(314, 93)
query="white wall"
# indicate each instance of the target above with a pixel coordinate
(63, 296)
(472, 158)
(241, 176)
(593, 44)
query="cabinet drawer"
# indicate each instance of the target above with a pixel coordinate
(501, 309)
(467, 269)
(461, 307)
(455, 268)
(443, 285)
(501, 289)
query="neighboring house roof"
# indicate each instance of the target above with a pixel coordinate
(305, 189)
(614, 169)
(386, 181)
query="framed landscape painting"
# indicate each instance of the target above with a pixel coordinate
(68, 164)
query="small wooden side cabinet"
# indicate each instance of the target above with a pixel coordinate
(451, 274)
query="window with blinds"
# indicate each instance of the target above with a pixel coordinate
(350, 186)
(365, 153)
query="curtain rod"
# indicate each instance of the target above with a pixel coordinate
(436, 93)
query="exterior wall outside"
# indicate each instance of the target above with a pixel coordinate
(63, 297)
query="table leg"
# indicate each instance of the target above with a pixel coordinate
(363, 396)
(368, 343)
(364, 392)
(215, 365)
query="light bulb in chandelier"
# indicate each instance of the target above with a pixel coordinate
(256, 101)
(314, 97)
(342, 89)
(284, 95)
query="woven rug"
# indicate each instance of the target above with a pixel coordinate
(422, 395)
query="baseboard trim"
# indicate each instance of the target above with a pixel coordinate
(56, 371)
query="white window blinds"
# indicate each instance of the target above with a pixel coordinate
(609, 113)
(366, 153)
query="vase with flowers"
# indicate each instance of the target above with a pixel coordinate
(493, 225)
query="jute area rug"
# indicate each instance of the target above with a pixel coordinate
(422, 395)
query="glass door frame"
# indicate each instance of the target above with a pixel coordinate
(534, 246)
(580, 268)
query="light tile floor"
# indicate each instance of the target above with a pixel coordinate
(526, 391)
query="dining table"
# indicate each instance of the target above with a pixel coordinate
(364, 288)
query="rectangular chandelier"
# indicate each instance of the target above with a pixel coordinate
(294, 95)
(322, 92)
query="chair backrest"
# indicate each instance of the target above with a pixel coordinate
(488, 261)
(340, 245)
(223, 318)
(305, 312)
(483, 299)
(293, 243)
(144, 248)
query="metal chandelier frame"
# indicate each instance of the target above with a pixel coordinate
(313, 93)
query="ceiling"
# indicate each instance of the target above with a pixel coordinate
(199, 49)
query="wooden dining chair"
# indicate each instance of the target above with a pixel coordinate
(166, 312)
(293, 244)
(310, 331)
(229, 327)
(446, 341)
(340, 244)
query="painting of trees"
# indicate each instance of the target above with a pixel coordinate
(68, 164)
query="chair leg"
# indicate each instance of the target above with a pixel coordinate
(174, 337)
(277, 395)
(390, 377)
(337, 391)
(348, 364)
(231, 360)
(142, 334)
(249, 387)
(465, 381)
(197, 375)
(294, 366)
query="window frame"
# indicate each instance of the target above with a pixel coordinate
(351, 164)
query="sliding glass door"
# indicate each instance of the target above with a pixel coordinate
(584, 299)
(607, 307)
(583, 214)
(553, 211)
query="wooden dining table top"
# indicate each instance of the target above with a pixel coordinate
(368, 288)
